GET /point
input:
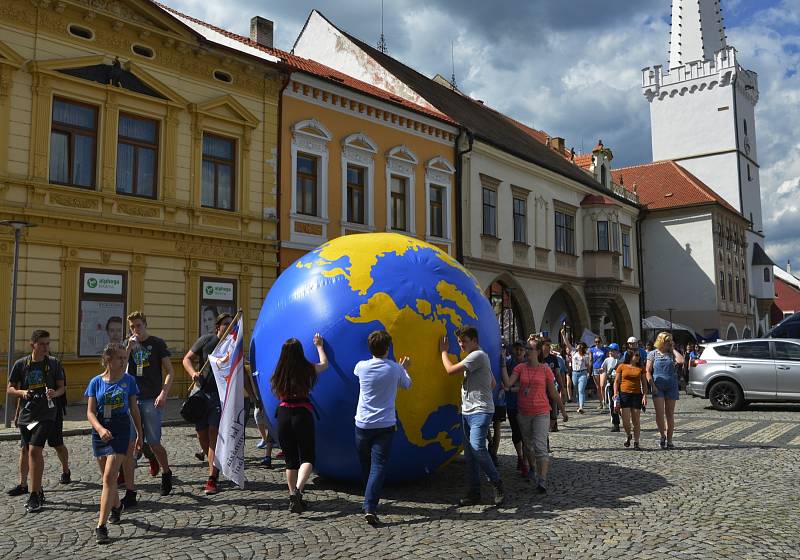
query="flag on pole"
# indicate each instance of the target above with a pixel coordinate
(227, 363)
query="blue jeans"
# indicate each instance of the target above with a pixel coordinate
(151, 421)
(579, 381)
(475, 427)
(373, 447)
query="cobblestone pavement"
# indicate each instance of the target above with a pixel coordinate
(729, 490)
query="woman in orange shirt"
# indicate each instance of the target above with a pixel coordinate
(630, 385)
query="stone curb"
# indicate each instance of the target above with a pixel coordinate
(11, 434)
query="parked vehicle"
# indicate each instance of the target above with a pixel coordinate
(733, 373)
(788, 328)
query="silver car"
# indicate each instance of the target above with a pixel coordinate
(735, 372)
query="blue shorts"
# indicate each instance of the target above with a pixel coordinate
(667, 388)
(151, 421)
(120, 430)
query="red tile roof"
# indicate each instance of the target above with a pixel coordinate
(665, 184)
(315, 68)
(787, 297)
(597, 199)
(584, 161)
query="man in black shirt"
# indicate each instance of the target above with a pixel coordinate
(148, 360)
(208, 428)
(38, 380)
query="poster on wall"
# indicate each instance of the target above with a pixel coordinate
(216, 296)
(101, 322)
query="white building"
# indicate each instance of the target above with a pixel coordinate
(702, 110)
(551, 239)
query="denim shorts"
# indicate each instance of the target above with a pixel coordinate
(118, 445)
(667, 387)
(151, 421)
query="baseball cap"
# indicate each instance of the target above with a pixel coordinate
(614, 346)
(632, 340)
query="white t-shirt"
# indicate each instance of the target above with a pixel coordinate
(580, 363)
(610, 365)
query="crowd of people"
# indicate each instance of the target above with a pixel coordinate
(536, 379)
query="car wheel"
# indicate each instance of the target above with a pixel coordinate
(726, 395)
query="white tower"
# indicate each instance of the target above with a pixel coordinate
(702, 115)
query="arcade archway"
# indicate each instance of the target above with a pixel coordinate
(511, 308)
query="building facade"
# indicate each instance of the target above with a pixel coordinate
(549, 241)
(145, 156)
(357, 163)
(694, 260)
(702, 111)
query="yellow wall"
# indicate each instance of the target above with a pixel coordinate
(166, 245)
(343, 113)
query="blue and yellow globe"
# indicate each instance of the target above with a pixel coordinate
(349, 287)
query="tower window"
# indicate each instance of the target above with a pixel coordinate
(745, 127)
(749, 176)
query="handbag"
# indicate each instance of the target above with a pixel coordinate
(196, 405)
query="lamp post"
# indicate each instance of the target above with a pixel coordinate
(18, 226)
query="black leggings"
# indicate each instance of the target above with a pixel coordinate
(296, 435)
(516, 434)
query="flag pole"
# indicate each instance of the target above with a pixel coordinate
(227, 330)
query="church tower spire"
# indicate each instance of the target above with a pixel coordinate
(697, 31)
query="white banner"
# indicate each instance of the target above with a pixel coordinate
(227, 363)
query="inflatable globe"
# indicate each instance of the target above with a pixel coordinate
(349, 287)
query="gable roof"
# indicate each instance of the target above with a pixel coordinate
(787, 294)
(247, 46)
(665, 184)
(486, 124)
(760, 257)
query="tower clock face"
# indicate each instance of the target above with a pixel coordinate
(747, 148)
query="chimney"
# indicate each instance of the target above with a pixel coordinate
(557, 143)
(261, 31)
(788, 266)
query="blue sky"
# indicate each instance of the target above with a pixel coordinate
(574, 68)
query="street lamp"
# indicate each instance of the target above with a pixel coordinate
(18, 226)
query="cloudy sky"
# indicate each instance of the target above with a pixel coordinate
(573, 68)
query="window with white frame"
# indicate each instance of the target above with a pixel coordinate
(309, 152)
(626, 249)
(358, 171)
(615, 241)
(489, 204)
(438, 175)
(400, 178)
(602, 235)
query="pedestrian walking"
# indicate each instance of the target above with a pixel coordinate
(607, 370)
(196, 364)
(111, 409)
(477, 411)
(500, 414)
(632, 345)
(598, 353)
(376, 417)
(38, 380)
(292, 381)
(581, 367)
(149, 363)
(510, 361)
(662, 376)
(536, 390)
(630, 389)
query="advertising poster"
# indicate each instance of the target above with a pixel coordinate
(101, 322)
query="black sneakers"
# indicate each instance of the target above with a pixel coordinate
(663, 442)
(116, 514)
(101, 535)
(129, 500)
(296, 504)
(34, 503)
(499, 493)
(471, 499)
(18, 490)
(371, 518)
(166, 482)
(66, 477)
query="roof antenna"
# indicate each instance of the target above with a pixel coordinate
(382, 41)
(453, 62)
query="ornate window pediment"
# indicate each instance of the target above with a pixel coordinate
(360, 141)
(110, 72)
(228, 108)
(402, 153)
(9, 56)
(312, 127)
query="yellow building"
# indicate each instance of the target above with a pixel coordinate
(145, 155)
(357, 159)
